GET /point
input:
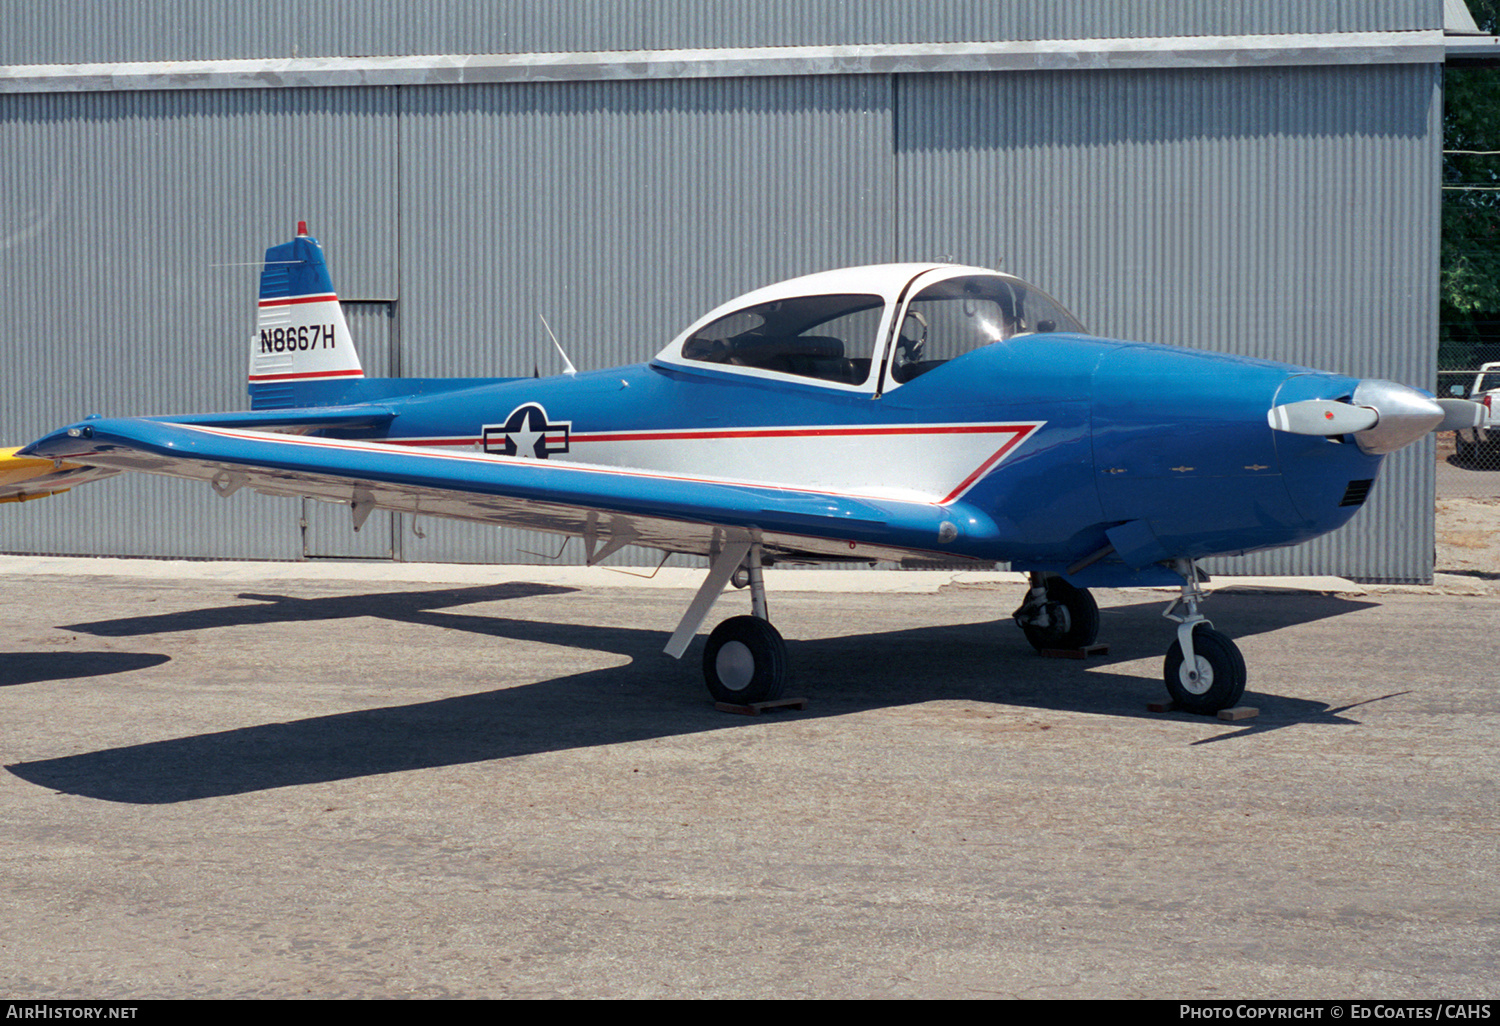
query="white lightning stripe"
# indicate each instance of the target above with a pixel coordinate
(1019, 431)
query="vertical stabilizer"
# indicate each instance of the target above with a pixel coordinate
(301, 336)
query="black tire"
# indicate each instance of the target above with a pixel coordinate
(745, 661)
(1074, 615)
(1222, 669)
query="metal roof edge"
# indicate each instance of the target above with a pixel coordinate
(1428, 46)
(1473, 51)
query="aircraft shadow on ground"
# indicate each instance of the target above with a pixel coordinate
(649, 697)
(396, 605)
(36, 667)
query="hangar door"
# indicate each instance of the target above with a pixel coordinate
(325, 526)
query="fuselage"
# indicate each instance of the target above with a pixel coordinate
(1059, 439)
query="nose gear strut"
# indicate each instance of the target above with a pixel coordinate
(1204, 670)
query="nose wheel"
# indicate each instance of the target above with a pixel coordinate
(1214, 681)
(1204, 670)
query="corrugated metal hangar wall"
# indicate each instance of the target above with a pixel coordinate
(1285, 208)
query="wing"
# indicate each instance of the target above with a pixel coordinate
(608, 506)
(26, 477)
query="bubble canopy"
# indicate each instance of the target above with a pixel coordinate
(867, 328)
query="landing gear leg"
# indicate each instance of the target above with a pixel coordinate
(745, 658)
(1056, 615)
(1204, 670)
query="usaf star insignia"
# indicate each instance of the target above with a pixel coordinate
(527, 433)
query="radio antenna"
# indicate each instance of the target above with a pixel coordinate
(567, 363)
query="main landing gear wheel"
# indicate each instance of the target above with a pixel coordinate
(1220, 678)
(1067, 619)
(745, 661)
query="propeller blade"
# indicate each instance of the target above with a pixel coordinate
(1321, 417)
(1459, 414)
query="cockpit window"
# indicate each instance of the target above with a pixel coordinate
(830, 338)
(951, 317)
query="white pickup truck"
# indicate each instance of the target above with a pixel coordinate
(1486, 392)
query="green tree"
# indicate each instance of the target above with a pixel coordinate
(1471, 203)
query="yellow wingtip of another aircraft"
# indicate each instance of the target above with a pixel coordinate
(16, 470)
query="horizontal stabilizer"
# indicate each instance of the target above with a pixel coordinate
(1321, 417)
(297, 421)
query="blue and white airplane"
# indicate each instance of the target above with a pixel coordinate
(911, 412)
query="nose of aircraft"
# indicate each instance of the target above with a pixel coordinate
(1218, 454)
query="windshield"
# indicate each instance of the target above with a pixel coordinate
(952, 317)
